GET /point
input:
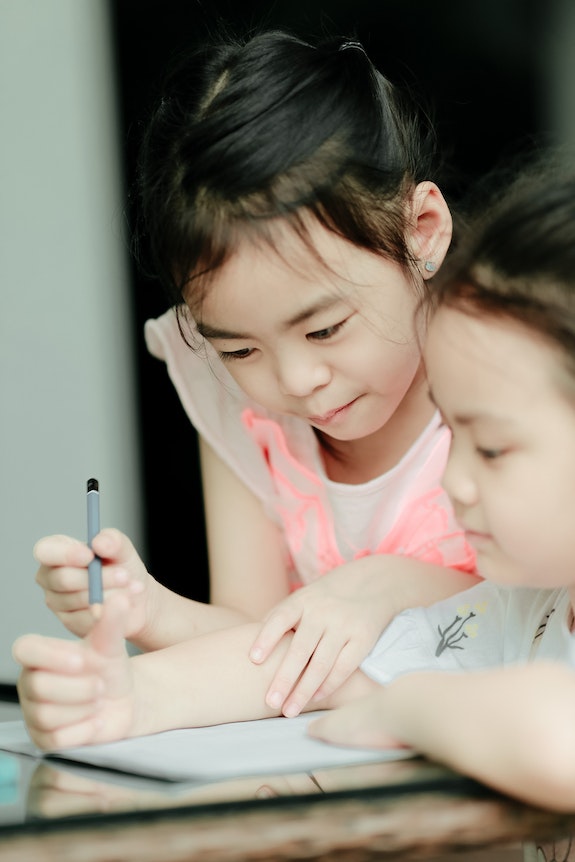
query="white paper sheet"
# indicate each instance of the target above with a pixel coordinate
(265, 747)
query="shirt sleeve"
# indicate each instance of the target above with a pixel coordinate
(463, 632)
(212, 400)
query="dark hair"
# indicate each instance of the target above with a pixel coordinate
(246, 132)
(517, 259)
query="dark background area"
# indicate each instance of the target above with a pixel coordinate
(480, 64)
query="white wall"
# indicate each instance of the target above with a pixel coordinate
(66, 358)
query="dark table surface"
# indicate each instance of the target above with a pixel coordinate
(403, 809)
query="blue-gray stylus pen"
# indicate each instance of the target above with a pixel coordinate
(95, 589)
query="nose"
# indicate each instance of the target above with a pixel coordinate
(300, 374)
(458, 478)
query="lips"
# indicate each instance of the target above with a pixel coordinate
(325, 418)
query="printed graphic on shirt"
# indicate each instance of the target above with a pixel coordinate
(463, 626)
(543, 625)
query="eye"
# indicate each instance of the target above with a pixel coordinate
(489, 454)
(230, 355)
(328, 332)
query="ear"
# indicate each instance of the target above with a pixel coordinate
(431, 227)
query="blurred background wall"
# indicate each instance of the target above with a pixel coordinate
(79, 395)
(67, 364)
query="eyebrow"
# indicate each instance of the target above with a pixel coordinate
(208, 331)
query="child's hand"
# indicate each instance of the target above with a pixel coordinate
(78, 692)
(360, 723)
(63, 575)
(336, 620)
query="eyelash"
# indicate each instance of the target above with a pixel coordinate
(318, 335)
(489, 454)
(230, 355)
(486, 454)
(330, 330)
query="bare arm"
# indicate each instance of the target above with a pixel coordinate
(246, 549)
(248, 574)
(511, 728)
(88, 691)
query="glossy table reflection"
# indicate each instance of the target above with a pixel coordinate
(403, 809)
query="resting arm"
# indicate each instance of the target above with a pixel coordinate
(511, 728)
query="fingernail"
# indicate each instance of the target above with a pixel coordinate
(291, 710)
(264, 792)
(274, 700)
(256, 654)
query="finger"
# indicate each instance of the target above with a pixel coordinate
(66, 589)
(335, 727)
(281, 620)
(113, 545)
(346, 663)
(318, 669)
(44, 687)
(56, 554)
(58, 599)
(81, 733)
(51, 654)
(62, 551)
(358, 723)
(107, 635)
(53, 717)
(303, 645)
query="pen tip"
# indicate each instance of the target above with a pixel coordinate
(96, 611)
(93, 485)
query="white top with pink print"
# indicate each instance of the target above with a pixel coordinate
(325, 523)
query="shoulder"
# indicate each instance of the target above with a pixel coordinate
(249, 439)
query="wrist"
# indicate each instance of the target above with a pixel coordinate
(145, 698)
(145, 637)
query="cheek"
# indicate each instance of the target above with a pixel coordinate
(258, 383)
(537, 538)
(389, 367)
(246, 377)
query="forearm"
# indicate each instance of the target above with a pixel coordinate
(172, 618)
(510, 728)
(207, 680)
(410, 583)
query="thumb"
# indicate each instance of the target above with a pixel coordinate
(107, 634)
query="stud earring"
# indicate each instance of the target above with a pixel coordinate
(430, 266)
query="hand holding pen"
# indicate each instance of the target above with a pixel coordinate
(63, 574)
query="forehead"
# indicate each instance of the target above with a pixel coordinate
(304, 248)
(275, 253)
(485, 363)
(287, 268)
